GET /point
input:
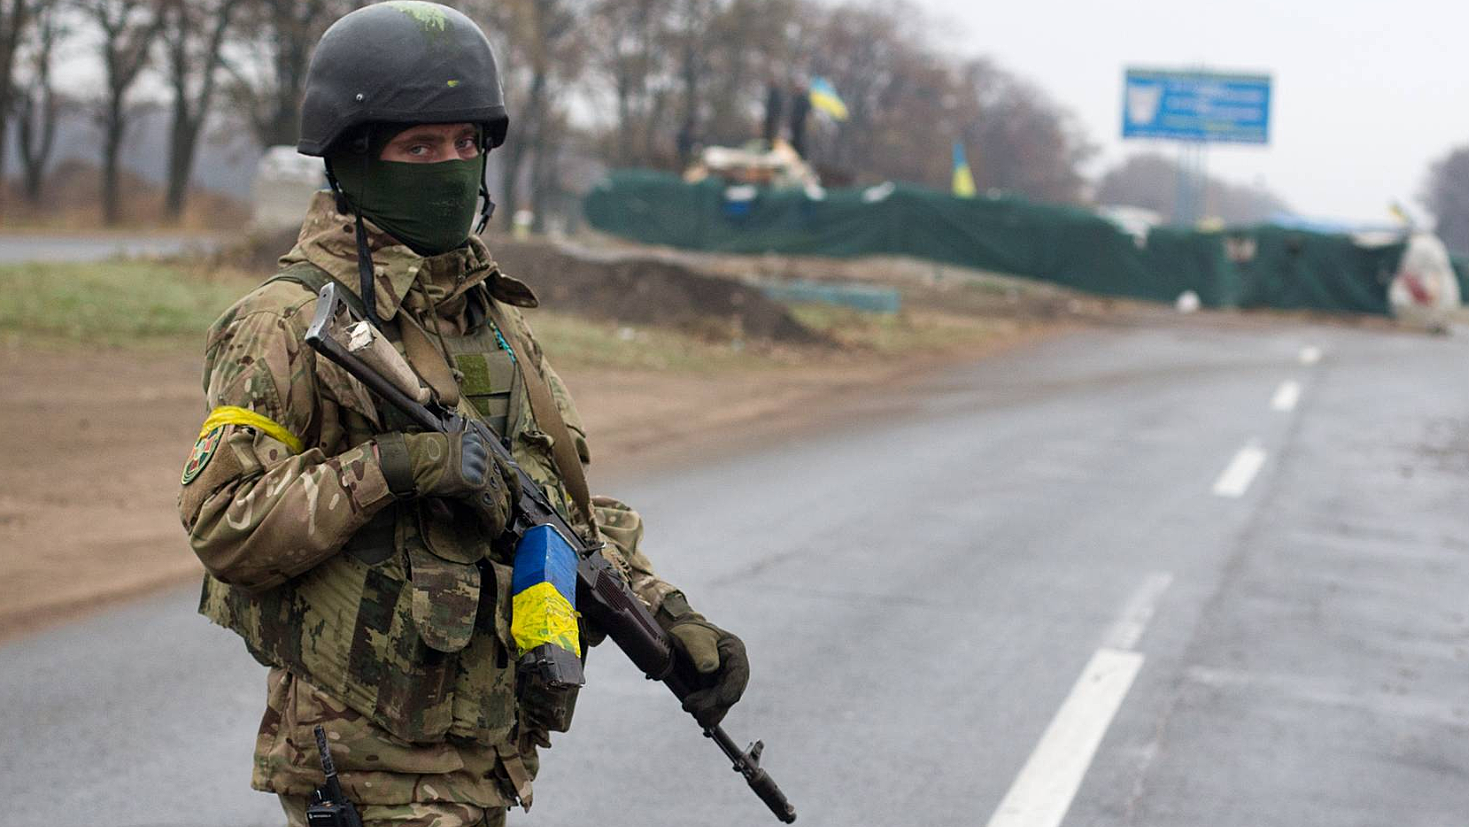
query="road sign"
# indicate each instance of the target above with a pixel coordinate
(1196, 106)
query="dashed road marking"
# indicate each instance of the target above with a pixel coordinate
(1046, 785)
(1310, 355)
(1042, 793)
(1286, 396)
(1240, 472)
(1129, 628)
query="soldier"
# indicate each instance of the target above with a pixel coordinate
(360, 560)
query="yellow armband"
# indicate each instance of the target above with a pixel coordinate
(233, 415)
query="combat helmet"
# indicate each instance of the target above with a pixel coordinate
(403, 61)
(399, 62)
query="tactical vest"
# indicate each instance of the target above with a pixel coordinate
(410, 625)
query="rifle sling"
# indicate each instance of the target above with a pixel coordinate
(547, 413)
(431, 364)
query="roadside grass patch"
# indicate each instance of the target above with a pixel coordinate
(110, 303)
(574, 341)
(143, 304)
(896, 334)
(148, 304)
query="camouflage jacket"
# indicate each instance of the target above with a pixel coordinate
(269, 509)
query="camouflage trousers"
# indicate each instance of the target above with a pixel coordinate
(436, 814)
(377, 770)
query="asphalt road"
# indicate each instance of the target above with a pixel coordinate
(19, 249)
(1132, 576)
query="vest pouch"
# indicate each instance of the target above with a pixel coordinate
(489, 384)
(484, 692)
(444, 579)
(349, 629)
(545, 708)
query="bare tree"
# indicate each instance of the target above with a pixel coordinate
(1022, 142)
(1150, 180)
(747, 46)
(692, 29)
(268, 75)
(625, 38)
(194, 33)
(14, 19)
(1446, 195)
(38, 107)
(539, 54)
(128, 29)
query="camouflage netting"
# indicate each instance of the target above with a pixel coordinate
(1256, 266)
(1461, 271)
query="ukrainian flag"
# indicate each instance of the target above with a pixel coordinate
(963, 178)
(826, 99)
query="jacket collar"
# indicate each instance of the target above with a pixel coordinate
(328, 240)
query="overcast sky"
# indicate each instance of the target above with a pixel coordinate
(1366, 94)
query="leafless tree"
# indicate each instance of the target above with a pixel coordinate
(1020, 140)
(38, 105)
(741, 45)
(128, 29)
(1446, 195)
(692, 29)
(1150, 180)
(15, 17)
(539, 53)
(268, 70)
(625, 38)
(194, 34)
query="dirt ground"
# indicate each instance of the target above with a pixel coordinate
(94, 444)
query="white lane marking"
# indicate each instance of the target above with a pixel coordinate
(1240, 472)
(1286, 396)
(1046, 785)
(1042, 793)
(1310, 355)
(1128, 629)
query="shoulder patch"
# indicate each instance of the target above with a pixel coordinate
(203, 451)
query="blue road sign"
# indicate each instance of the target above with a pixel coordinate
(1196, 106)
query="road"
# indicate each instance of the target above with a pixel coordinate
(1160, 574)
(17, 249)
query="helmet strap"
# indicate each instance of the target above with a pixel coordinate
(487, 207)
(364, 255)
(485, 211)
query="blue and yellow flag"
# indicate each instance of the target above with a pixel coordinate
(963, 178)
(826, 99)
(543, 592)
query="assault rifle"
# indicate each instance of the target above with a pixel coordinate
(602, 596)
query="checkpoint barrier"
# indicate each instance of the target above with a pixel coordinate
(1251, 266)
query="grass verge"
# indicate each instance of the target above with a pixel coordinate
(911, 331)
(145, 304)
(112, 303)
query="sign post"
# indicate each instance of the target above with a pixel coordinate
(1195, 108)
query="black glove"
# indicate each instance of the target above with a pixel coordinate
(455, 466)
(717, 656)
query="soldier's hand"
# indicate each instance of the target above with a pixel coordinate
(456, 466)
(718, 658)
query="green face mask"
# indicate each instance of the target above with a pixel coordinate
(429, 207)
